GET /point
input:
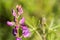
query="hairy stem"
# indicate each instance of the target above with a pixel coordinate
(17, 24)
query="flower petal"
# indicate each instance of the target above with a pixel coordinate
(17, 26)
(14, 31)
(10, 23)
(13, 12)
(18, 38)
(22, 21)
(26, 32)
(24, 27)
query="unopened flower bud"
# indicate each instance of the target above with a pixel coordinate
(10, 23)
(19, 9)
(22, 21)
(13, 12)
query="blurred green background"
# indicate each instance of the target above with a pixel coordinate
(33, 11)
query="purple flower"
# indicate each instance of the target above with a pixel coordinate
(22, 21)
(20, 10)
(10, 23)
(13, 12)
(14, 31)
(25, 31)
(17, 26)
(18, 38)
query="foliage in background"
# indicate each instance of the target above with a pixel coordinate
(33, 11)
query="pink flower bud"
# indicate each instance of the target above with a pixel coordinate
(20, 10)
(13, 12)
(10, 23)
(22, 21)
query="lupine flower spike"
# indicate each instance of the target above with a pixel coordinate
(19, 24)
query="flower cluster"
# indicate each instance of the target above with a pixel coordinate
(19, 24)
